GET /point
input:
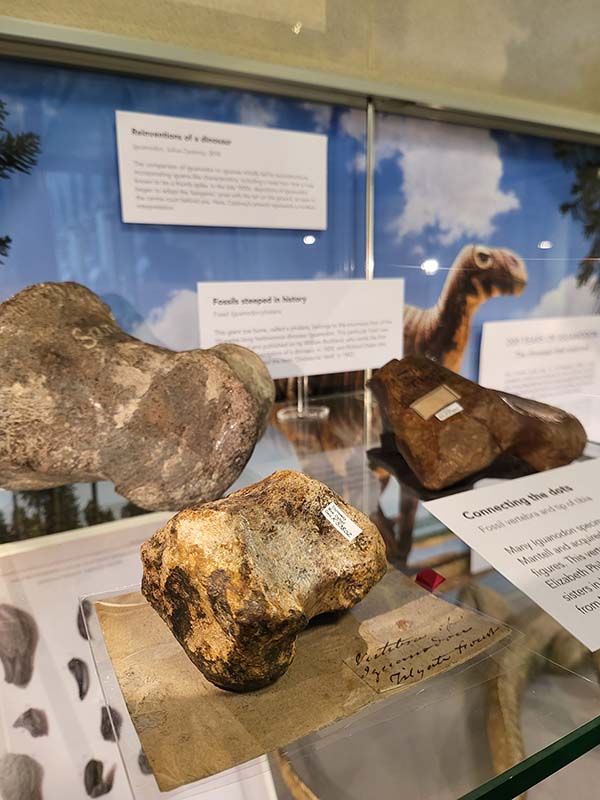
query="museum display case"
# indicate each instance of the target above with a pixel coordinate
(529, 698)
(175, 376)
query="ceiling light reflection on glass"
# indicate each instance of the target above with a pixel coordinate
(310, 239)
(430, 266)
(545, 244)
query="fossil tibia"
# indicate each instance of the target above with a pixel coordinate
(236, 580)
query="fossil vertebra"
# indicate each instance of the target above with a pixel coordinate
(96, 784)
(33, 720)
(81, 400)
(448, 428)
(110, 723)
(18, 640)
(236, 580)
(20, 777)
(79, 670)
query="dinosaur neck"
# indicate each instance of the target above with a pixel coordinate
(460, 299)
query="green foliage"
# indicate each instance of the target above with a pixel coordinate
(48, 511)
(18, 153)
(131, 510)
(584, 161)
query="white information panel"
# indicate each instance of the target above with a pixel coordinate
(177, 171)
(553, 360)
(306, 327)
(541, 532)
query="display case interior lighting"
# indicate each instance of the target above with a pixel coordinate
(309, 239)
(545, 244)
(430, 266)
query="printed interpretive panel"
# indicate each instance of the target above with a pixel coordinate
(177, 171)
(541, 532)
(306, 327)
(556, 361)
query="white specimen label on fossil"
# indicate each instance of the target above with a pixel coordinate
(341, 522)
(449, 411)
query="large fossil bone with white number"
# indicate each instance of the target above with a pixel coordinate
(238, 579)
(81, 400)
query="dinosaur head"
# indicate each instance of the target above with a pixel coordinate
(492, 271)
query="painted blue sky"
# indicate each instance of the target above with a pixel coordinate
(438, 187)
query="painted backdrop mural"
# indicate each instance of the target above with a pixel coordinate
(482, 225)
(442, 187)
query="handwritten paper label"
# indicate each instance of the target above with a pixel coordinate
(341, 522)
(419, 640)
(449, 411)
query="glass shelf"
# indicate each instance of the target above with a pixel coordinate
(431, 739)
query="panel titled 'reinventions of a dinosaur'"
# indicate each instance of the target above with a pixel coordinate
(542, 532)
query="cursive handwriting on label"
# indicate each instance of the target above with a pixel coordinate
(407, 660)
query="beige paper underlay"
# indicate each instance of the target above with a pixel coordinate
(189, 729)
(432, 402)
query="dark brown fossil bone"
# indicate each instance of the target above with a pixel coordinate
(448, 428)
(81, 400)
(18, 641)
(238, 579)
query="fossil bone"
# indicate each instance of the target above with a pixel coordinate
(83, 401)
(236, 580)
(79, 670)
(448, 428)
(18, 641)
(20, 777)
(33, 720)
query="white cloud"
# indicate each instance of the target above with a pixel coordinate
(321, 115)
(451, 175)
(567, 299)
(354, 123)
(257, 111)
(174, 324)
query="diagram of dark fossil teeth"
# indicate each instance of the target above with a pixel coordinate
(106, 729)
(93, 778)
(83, 614)
(20, 777)
(18, 640)
(33, 720)
(79, 670)
(144, 764)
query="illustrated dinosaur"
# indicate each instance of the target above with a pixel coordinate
(477, 274)
(442, 334)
